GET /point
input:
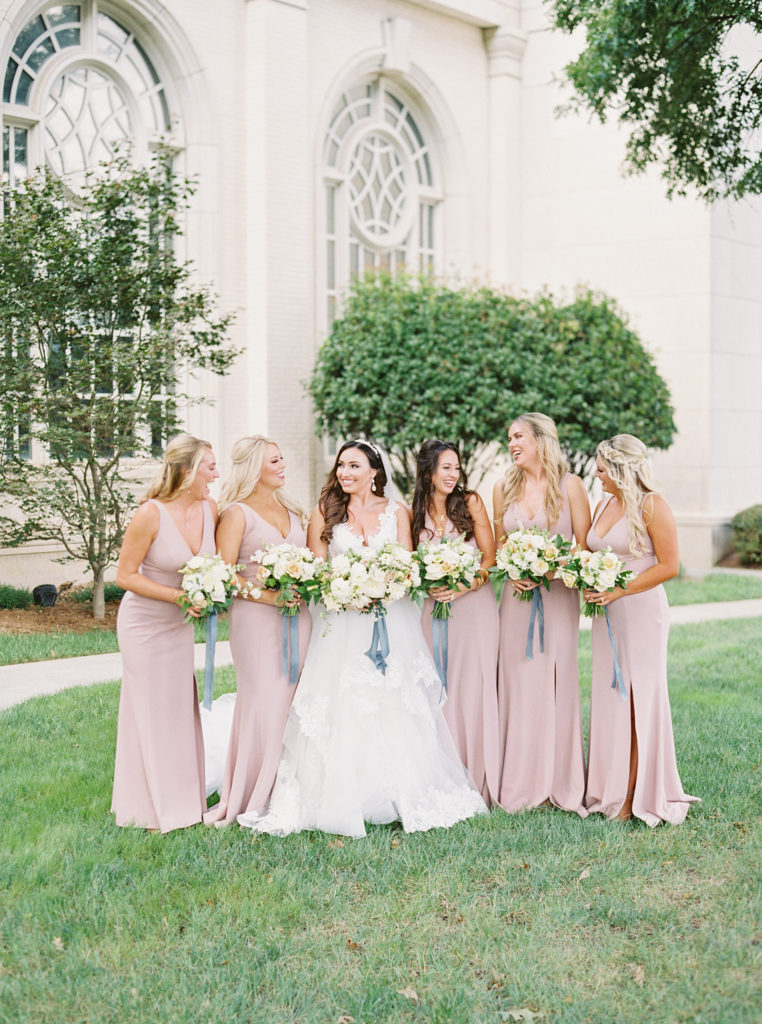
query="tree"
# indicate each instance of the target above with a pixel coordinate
(667, 71)
(100, 322)
(411, 359)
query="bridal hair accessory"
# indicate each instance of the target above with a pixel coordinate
(368, 444)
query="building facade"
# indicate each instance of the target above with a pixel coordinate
(327, 136)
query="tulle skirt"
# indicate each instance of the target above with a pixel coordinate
(365, 746)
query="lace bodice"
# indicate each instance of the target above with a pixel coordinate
(344, 539)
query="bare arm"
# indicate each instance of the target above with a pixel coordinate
(579, 507)
(138, 537)
(314, 529)
(403, 528)
(497, 514)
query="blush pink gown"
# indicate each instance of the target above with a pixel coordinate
(263, 693)
(539, 707)
(159, 767)
(471, 707)
(640, 624)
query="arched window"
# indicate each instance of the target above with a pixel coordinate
(79, 87)
(381, 188)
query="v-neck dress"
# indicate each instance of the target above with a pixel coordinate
(640, 624)
(538, 700)
(263, 694)
(159, 767)
(471, 707)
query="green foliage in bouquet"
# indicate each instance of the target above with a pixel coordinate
(746, 534)
(101, 324)
(410, 358)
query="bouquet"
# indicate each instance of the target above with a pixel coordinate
(296, 572)
(451, 563)
(529, 554)
(208, 585)
(368, 580)
(594, 570)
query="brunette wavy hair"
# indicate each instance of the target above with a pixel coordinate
(334, 500)
(456, 503)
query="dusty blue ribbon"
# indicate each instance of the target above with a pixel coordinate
(379, 645)
(617, 683)
(291, 648)
(211, 642)
(440, 637)
(538, 612)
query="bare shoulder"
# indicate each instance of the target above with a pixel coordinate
(214, 509)
(146, 517)
(474, 504)
(656, 507)
(575, 486)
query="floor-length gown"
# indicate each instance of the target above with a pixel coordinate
(640, 625)
(538, 700)
(361, 746)
(263, 692)
(159, 767)
(471, 707)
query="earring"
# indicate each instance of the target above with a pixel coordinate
(373, 484)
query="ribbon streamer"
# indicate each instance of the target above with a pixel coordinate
(211, 643)
(538, 612)
(440, 639)
(379, 645)
(617, 682)
(291, 648)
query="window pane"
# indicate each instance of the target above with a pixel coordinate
(24, 88)
(10, 73)
(61, 15)
(28, 34)
(40, 54)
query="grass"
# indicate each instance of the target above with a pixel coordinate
(716, 586)
(570, 921)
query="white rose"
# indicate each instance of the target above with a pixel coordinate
(514, 573)
(538, 567)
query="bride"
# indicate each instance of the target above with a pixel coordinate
(360, 746)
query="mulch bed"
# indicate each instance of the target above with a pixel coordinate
(66, 616)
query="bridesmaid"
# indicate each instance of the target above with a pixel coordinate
(254, 514)
(632, 768)
(159, 769)
(542, 759)
(444, 507)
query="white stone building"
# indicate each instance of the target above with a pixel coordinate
(328, 135)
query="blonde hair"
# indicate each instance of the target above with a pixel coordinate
(181, 461)
(551, 459)
(625, 459)
(248, 457)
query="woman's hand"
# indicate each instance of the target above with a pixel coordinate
(524, 585)
(594, 597)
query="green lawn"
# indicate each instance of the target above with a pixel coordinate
(538, 913)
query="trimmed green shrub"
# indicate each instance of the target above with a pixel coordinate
(746, 533)
(112, 594)
(14, 597)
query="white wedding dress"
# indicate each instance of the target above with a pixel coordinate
(364, 747)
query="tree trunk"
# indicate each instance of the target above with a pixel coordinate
(99, 594)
